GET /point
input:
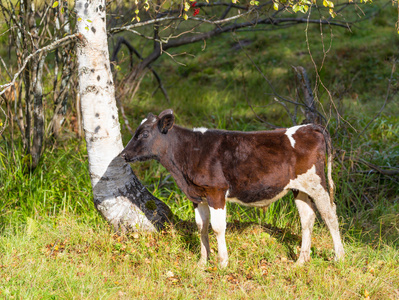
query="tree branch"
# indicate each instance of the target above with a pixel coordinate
(56, 44)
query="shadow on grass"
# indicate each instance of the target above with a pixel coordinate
(190, 235)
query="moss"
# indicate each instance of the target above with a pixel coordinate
(151, 205)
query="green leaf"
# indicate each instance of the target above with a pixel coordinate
(303, 8)
(79, 19)
(295, 8)
(89, 21)
(62, 10)
(55, 4)
(87, 28)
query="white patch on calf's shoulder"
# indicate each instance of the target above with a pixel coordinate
(200, 129)
(290, 132)
(143, 121)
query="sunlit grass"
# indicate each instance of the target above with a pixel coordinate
(63, 257)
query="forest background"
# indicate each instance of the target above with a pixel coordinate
(54, 243)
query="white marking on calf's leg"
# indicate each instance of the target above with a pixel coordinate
(328, 213)
(218, 222)
(290, 132)
(202, 220)
(307, 216)
(310, 183)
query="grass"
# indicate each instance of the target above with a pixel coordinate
(54, 245)
(64, 257)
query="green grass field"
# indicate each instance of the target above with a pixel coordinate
(55, 245)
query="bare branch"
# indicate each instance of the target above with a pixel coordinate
(152, 21)
(58, 43)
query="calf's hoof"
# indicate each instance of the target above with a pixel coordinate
(340, 255)
(223, 264)
(202, 262)
(303, 258)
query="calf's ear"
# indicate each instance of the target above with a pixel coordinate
(166, 121)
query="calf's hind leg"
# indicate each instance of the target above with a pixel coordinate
(307, 216)
(328, 213)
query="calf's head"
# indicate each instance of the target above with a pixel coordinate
(150, 137)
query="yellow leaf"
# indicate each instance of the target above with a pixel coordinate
(55, 4)
(185, 17)
(186, 6)
(275, 6)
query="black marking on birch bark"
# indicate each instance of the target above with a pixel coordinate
(93, 29)
(97, 115)
(98, 78)
(85, 70)
(97, 129)
(92, 70)
(86, 5)
(113, 117)
(90, 89)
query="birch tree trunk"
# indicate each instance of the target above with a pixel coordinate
(118, 195)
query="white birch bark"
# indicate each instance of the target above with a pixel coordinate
(117, 193)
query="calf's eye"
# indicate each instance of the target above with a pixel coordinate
(144, 134)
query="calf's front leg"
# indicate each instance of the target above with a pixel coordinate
(218, 222)
(202, 219)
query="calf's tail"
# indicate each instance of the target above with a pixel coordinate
(327, 139)
(329, 168)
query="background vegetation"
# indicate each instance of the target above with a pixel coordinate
(53, 244)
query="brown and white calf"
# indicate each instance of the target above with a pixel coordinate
(250, 168)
